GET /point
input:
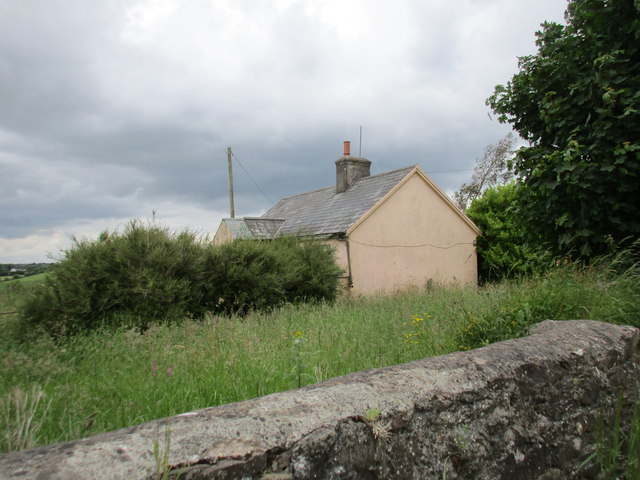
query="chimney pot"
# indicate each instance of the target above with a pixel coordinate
(347, 148)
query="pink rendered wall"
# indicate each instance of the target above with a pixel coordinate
(223, 235)
(411, 238)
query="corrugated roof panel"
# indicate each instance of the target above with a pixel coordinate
(238, 228)
(264, 227)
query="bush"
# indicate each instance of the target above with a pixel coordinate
(312, 273)
(502, 249)
(246, 274)
(146, 273)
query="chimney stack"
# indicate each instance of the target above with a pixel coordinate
(349, 169)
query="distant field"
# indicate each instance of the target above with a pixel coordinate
(12, 291)
(25, 280)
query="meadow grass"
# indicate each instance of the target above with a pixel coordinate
(31, 279)
(114, 378)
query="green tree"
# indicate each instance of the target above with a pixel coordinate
(503, 251)
(577, 102)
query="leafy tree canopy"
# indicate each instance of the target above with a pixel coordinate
(577, 102)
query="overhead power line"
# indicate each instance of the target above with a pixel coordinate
(251, 178)
(451, 171)
(271, 201)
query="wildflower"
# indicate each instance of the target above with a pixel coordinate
(417, 329)
(298, 337)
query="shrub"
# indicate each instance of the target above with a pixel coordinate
(242, 276)
(502, 249)
(246, 274)
(312, 273)
(147, 273)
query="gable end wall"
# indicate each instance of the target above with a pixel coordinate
(413, 237)
(223, 234)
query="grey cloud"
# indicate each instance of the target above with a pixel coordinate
(110, 109)
(23, 216)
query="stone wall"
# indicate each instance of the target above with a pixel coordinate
(524, 408)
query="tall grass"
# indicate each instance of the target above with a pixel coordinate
(607, 290)
(617, 451)
(115, 377)
(22, 414)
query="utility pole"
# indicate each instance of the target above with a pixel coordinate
(233, 210)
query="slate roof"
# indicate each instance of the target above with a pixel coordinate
(256, 228)
(325, 212)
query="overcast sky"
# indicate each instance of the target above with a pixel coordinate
(113, 109)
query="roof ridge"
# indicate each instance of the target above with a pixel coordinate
(409, 167)
(377, 175)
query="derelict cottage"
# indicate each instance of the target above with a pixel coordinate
(390, 231)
